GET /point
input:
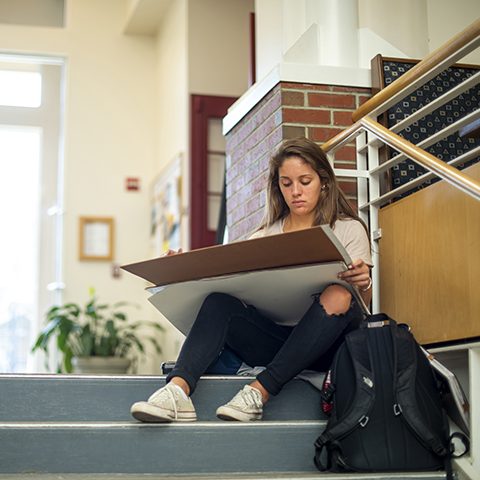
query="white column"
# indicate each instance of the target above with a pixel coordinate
(325, 32)
(268, 35)
(338, 30)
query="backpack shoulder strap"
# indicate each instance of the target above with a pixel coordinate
(405, 348)
(364, 396)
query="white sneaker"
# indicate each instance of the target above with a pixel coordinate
(245, 406)
(167, 404)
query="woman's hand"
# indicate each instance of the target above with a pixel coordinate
(358, 275)
(170, 252)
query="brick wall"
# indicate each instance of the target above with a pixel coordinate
(289, 110)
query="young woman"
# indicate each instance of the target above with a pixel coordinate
(302, 192)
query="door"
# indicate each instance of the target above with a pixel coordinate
(207, 167)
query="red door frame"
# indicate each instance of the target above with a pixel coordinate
(203, 107)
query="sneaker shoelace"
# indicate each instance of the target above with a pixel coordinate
(164, 394)
(247, 397)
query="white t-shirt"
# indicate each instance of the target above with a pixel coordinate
(350, 232)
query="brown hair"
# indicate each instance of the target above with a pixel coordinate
(332, 204)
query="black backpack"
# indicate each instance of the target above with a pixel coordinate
(387, 410)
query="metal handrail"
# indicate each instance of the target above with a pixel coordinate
(426, 69)
(342, 137)
(425, 159)
(438, 102)
(444, 133)
(386, 197)
(444, 56)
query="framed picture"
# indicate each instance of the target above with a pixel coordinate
(96, 238)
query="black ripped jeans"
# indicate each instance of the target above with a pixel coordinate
(225, 321)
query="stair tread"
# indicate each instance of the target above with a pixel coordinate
(153, 448)
(214, 453)
(47, 397)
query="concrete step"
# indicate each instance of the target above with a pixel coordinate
(129, 447)
(78, 427)
(81, 398)
(130, 451)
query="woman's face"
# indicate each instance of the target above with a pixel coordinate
(300, 186)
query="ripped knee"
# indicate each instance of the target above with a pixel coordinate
(335, 300)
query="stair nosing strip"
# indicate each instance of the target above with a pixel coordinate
(229, 476)
(123, 425)
(43, 376)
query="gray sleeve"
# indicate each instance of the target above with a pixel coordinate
(257, 234)
(357, 243)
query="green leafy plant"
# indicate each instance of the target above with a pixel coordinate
(100, 330)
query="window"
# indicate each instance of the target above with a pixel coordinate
(30, 204)
(20, 89)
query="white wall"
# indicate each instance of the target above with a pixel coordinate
(127, 114)
(172, 122)
(218, 46)
(401, 24)
(202, 48)
(308, 32)
(415, 27)
(172, 85)
(110, 135)
(348, 33)
(447, 18)
(309, 40)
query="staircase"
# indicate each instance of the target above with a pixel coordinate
(80, 425)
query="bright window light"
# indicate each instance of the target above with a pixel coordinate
(19, 211)
(20, 89)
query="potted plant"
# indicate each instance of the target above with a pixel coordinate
(96, 338)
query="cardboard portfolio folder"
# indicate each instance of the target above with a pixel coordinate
(278, 274)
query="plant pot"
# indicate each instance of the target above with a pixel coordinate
(101, 365)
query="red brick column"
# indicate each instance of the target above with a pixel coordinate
(289, 110)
